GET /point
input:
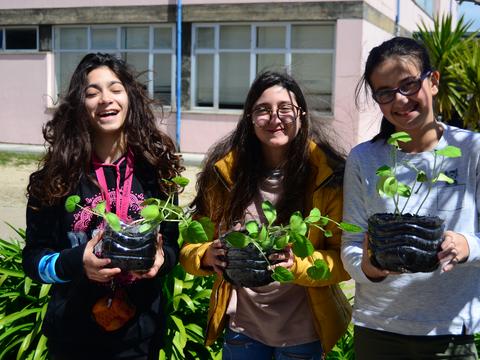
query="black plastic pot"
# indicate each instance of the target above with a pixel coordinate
(405, 243)
(128, 249)
(247, 267)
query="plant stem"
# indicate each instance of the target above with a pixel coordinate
(259, 248)
(430, 184)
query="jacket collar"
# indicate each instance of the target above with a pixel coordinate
(317, 159)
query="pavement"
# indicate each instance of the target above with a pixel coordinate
(14, 180)
(190, 159)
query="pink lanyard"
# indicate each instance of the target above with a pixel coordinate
(122, 194)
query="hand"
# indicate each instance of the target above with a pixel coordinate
(159, 260)
(455, 249)
(214, 257)
(285, 257)
(371, 271)
(95, 267)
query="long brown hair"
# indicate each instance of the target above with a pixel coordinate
(248, 164)
(68, 135)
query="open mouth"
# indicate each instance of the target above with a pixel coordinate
(406, 112)
(107, 113)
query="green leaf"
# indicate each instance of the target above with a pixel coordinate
(314, 216)
(384, 171)
(302, 247)
(27, 285)
(71, 203)
(319, 270)
(390, 186)
(100, 208)
(196, 233)
(397, 137)
(17, 315)
(445, 178)
(149, 212)
(297, 224)
(146, 227)
(251, 227)
(180, 181)
(41, 347)
(269, 212)
(352, 228)
(14, 273)
(280, 242)
(449, 151)
(422, 176)
(237, 239)
(182, 335)
(328, 233)
(282, 275)
(403, 190)
(151, 201)
(113, 221)
(208, 227)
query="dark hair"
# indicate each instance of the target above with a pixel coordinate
(68, 135)
(396, 47)
(248, 165)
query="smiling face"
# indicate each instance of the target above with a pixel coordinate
(407, 113)
(106, 101)
(275, 136)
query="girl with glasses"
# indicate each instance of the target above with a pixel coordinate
(103, 144)
(414, 315)
(270, 156)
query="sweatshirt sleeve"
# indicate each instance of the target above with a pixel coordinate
(354, 212)
(43, 238)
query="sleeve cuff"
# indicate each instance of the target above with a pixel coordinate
(474, 247)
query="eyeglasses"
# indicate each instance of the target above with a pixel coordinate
(286, 113)
(408, 88)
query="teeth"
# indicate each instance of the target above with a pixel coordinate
(108, 113)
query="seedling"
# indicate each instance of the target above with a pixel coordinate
(269, 236)
(154, 212)
(388, 184)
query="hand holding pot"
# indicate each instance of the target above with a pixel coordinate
(455, 249)
(159, 260)
(95, 268)
(285, 258)
(371, 271)
(214, 257)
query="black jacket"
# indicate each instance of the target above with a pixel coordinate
(68, 323)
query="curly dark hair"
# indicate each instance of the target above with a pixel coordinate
(248, 165)
(68, 135)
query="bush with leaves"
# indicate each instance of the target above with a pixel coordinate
(454, 52)
(23, 304)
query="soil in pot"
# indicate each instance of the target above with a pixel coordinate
(405, 243)
(247, 267)
(129, 249)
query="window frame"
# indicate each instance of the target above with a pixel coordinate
(4, 29)
(119, 50)
(287, 51)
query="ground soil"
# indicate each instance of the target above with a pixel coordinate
(13, 183)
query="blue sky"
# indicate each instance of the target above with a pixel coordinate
(471, 12)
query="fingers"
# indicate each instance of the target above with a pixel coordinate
(283, 258)
(214, 257)
(368, 268)
(454, 249)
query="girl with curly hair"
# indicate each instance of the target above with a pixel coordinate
(103, 144)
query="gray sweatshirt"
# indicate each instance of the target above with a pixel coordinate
(422, 303)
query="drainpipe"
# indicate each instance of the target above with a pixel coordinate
(397, 19)
(179, 74)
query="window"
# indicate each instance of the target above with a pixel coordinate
(19, 38)
(226, 58)
(148, 49)
(426, 5)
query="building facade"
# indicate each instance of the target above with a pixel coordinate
(224, 45)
